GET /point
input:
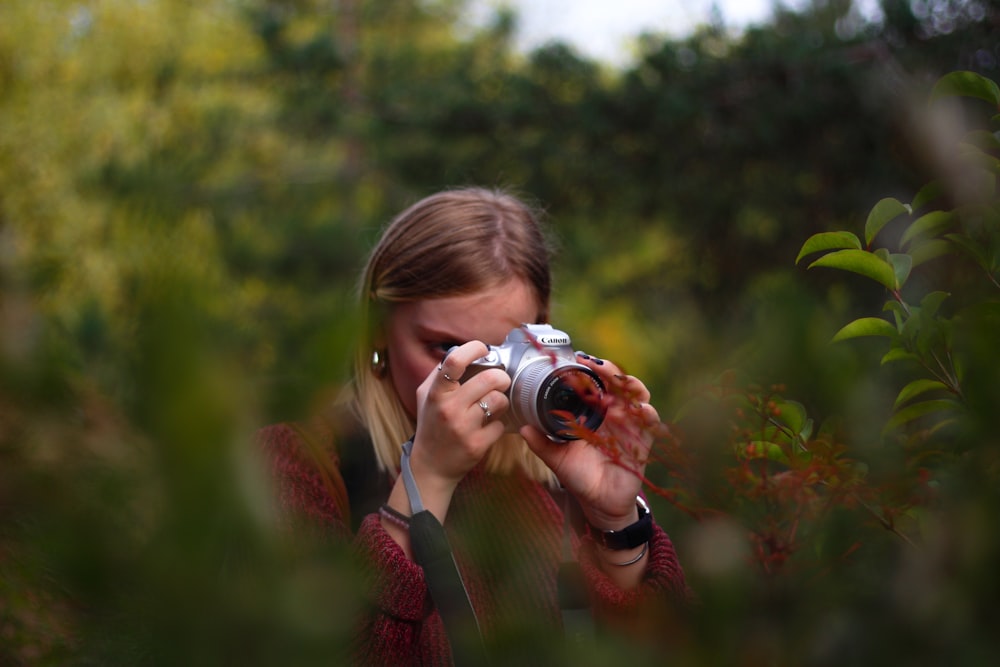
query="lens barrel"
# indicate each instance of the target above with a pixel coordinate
(554, 397)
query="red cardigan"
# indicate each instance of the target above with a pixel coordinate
(507, 534)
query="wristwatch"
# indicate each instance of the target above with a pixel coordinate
(629, 537)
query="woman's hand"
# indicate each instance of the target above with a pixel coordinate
(604, 475)
(453, 430)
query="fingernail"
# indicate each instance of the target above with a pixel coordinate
(599, 362)
(581, 354)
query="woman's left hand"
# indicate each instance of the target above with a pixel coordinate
(605, 474)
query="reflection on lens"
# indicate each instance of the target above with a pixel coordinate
(570, 396)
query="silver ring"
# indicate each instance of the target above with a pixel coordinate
(486, 412)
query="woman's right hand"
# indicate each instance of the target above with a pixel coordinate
(453, 432)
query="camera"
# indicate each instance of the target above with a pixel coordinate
(548, 389)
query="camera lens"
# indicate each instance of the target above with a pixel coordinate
(557, 398)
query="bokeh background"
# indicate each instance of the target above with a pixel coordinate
(188, 190)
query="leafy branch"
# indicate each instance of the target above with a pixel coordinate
(917, 330)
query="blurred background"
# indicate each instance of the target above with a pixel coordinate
(188, 190)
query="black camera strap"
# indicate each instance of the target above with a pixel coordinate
(432, 552)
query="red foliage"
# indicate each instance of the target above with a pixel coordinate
(780, 480)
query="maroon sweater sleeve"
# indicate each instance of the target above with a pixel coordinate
(397, 583)
(663, 582)
(399, 626)
(307, 481)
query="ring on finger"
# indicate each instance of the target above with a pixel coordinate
(486, 412)
(444, 374)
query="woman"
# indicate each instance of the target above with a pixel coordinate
(452, 274)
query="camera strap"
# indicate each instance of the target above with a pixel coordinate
(432, 552)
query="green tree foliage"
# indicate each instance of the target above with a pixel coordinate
(187, 191)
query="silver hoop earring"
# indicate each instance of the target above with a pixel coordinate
(380, 363)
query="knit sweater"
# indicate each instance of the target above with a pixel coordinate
(507, 533)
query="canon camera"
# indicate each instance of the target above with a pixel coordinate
(548, 389)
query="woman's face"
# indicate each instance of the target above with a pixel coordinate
(419, 334)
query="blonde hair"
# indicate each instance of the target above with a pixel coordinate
(452, 243)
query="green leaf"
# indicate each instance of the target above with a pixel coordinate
(901, 265)
(983, 139)
(927, 194)
(860, 262)
(911, 328)
(930, 304)
(828, 241)
(943, 424)
(807, 430)
(917, 410)
(929, 224)
(897, 310)
(893, 306)
(866, 326)
(980, 158)
(931, 334)
(916, 388)
(768, 450)
(973, 249)
(793, 415)
(881, 214)
(925, 251)
(898, 354)
(967, 84)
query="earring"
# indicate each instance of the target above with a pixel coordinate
(380, 363)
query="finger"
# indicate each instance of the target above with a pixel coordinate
(630, 387)
(653, 425)
(551, 453)
(487, 412)
(649, 415)
(453, 366)
(493, 406)
(633, 421)
(621, 385)
(634, 432)
(636, 412)
(614, 378)
(491, 379)
(442, 373)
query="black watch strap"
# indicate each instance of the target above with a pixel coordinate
(629, 537)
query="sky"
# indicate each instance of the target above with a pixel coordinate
(600, 29)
